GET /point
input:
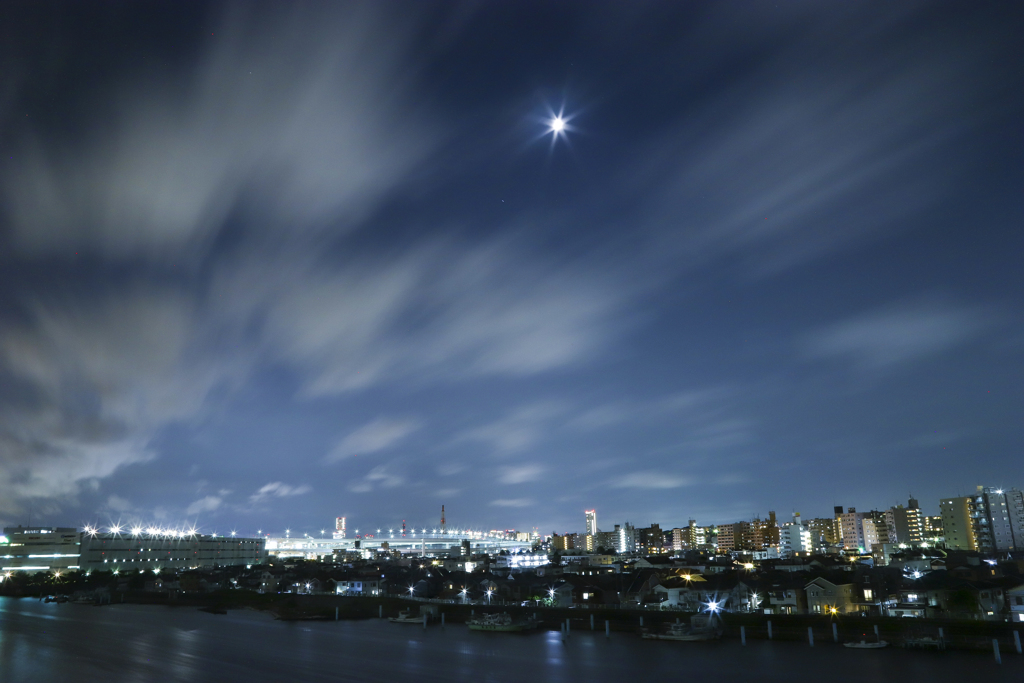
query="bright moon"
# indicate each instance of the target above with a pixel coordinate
(557, 124)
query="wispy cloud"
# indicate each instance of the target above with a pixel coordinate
(767, 170)
(516, 431)
(375, 436)
(512, 502)
(381, 476)
(304, 113)
(895, 335)
(520, 474)
(488, 310)
(104, 372)
(649, 479)
(277, 489)
(208, 504)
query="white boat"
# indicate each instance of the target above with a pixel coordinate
(405, 617)
(865, 645)
(500, 622)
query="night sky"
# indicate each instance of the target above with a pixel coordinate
(265, 265)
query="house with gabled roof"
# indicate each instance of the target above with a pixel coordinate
(826, 597)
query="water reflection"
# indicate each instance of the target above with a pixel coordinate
(40, 642)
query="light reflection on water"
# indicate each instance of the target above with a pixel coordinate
(120, 643)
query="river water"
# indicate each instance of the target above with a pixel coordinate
(44, 642)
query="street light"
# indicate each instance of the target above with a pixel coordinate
(489, 592)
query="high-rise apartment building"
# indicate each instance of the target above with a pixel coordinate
(824, 531)
(561, 543)
(680, 539)
(650, 540)
(905, 524)
(876, 529)
(851, 529)
(339, 527)
(999, 519)
(958, 523)
(933, 528)
(764, 533)
(726, 538)
(591, 522)
(697, 536)
(794, 538)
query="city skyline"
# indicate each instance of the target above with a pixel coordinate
(273, 264)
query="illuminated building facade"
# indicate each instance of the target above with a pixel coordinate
(933, 528)
(958, 523)
(999, 519)
(111, 551)
(794, 539)
(36, 549)
(339, 527)
(851, 529)
(591, 522)
(905, 524)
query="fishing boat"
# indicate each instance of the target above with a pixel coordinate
(865, 645)
(405, 617)
(699, 628)
(925, 642)
(500, 622)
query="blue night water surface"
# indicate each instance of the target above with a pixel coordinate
(44, 642)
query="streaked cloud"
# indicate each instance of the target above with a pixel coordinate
(520, 474)
(649, 479)
(517, 430)
(277, 489)
(375, 436)
(382, 476)
(303, 114)
(211, 503)
(898, 334)
(512, 502)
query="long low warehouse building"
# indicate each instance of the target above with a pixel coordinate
(120, 551)
(55, 548)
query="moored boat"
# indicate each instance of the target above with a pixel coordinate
(405, 617)
(500, 622)
(865, 645)
(700, 628)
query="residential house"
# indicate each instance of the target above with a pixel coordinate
(826, 597)
(1015, 600)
